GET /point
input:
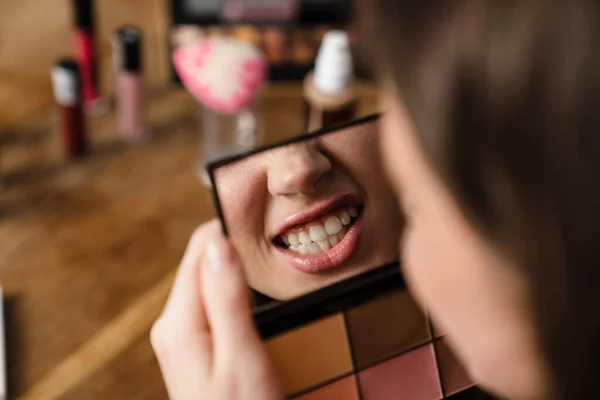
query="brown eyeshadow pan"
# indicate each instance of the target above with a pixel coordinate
(454, 376)
(386, 327)
(312, 354)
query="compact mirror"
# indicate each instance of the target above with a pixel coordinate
(309, 212)
(317, 229)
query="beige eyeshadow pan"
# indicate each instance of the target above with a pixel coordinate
(311, 355)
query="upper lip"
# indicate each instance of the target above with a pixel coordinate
(319, 208)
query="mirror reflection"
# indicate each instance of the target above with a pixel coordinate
(309, 213)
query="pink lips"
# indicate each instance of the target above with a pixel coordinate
(321, 208)
(333, 258)
(338, 254)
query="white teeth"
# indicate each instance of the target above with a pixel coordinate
(292, 239)
(324, 245)
(320, 238)
(345, 218)
(302, 249)
(317, 233)
(304, 238)
(333, 226)
(333, 240)
(313, 248)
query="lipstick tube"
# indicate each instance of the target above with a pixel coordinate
(129, 84)
(85, 54)
(66, 82)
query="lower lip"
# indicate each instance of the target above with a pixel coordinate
(330, 259)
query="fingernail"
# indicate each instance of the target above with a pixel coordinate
(219, 254)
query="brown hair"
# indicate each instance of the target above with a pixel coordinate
(505, 95)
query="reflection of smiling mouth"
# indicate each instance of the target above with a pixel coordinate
(323, 242)
(319, 234)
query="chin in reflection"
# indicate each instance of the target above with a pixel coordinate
(312, 213)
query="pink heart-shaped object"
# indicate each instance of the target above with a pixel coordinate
(226, 75)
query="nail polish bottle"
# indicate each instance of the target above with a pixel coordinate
(66, 82)
(129, 84)
(329, 90)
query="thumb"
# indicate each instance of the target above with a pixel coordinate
(226, 298)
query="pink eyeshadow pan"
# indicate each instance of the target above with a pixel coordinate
(344, 389)
(412, 375)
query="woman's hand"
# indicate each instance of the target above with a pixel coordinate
(205, 339)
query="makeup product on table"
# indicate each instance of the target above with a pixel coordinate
(85, 54)
(226, 77)
(130, 87)
(66, 82)
(329, 91)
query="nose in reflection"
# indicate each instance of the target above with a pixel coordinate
(296, 169)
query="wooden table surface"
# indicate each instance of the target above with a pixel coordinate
(89, 249)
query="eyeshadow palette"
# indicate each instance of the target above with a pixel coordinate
(363, 337)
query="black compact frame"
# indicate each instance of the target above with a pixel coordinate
(273, 317)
